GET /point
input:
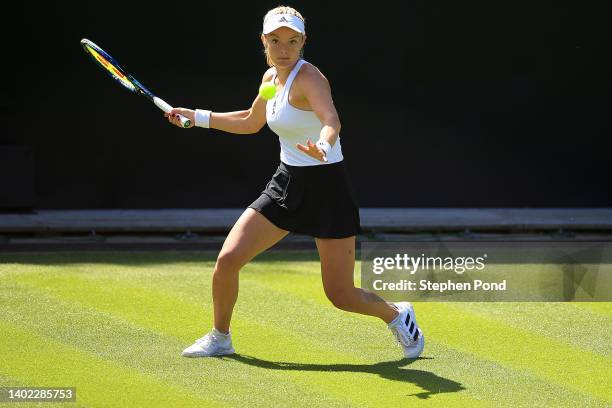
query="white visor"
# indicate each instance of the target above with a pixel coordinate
(283, 20)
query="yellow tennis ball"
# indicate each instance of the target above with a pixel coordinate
(267, 90)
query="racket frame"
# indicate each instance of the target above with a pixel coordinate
(137, 86)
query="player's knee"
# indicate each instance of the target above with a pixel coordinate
(228, 263)
(341, 298)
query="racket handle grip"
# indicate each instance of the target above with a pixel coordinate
(184, 121)
(163, 105)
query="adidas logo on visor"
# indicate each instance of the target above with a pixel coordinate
(283, 20)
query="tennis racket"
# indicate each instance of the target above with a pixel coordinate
(112, 67)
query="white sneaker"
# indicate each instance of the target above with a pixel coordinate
(214, 343)
(407, 331)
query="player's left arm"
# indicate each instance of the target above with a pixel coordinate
(315, 88)
(317, 91)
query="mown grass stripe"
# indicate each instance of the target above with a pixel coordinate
(262, 294)
(259, 334)
(39, 360)
(112, 298)
(550, 360)
(129, 346)
(369, 332)
(602, 308)
(562, 322)
(111, 338)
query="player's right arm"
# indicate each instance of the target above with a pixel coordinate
(239, 122)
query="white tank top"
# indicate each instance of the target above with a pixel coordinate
(293, 125)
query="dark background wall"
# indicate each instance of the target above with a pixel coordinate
(464, 104)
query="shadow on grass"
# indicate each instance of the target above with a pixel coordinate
(431, 383)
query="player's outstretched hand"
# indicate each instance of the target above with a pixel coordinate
(312, 150)
(174, 118)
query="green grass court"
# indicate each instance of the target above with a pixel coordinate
(113, 325)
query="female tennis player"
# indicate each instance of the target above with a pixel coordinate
(308, 194)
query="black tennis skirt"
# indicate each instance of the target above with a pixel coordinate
(311, 200)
